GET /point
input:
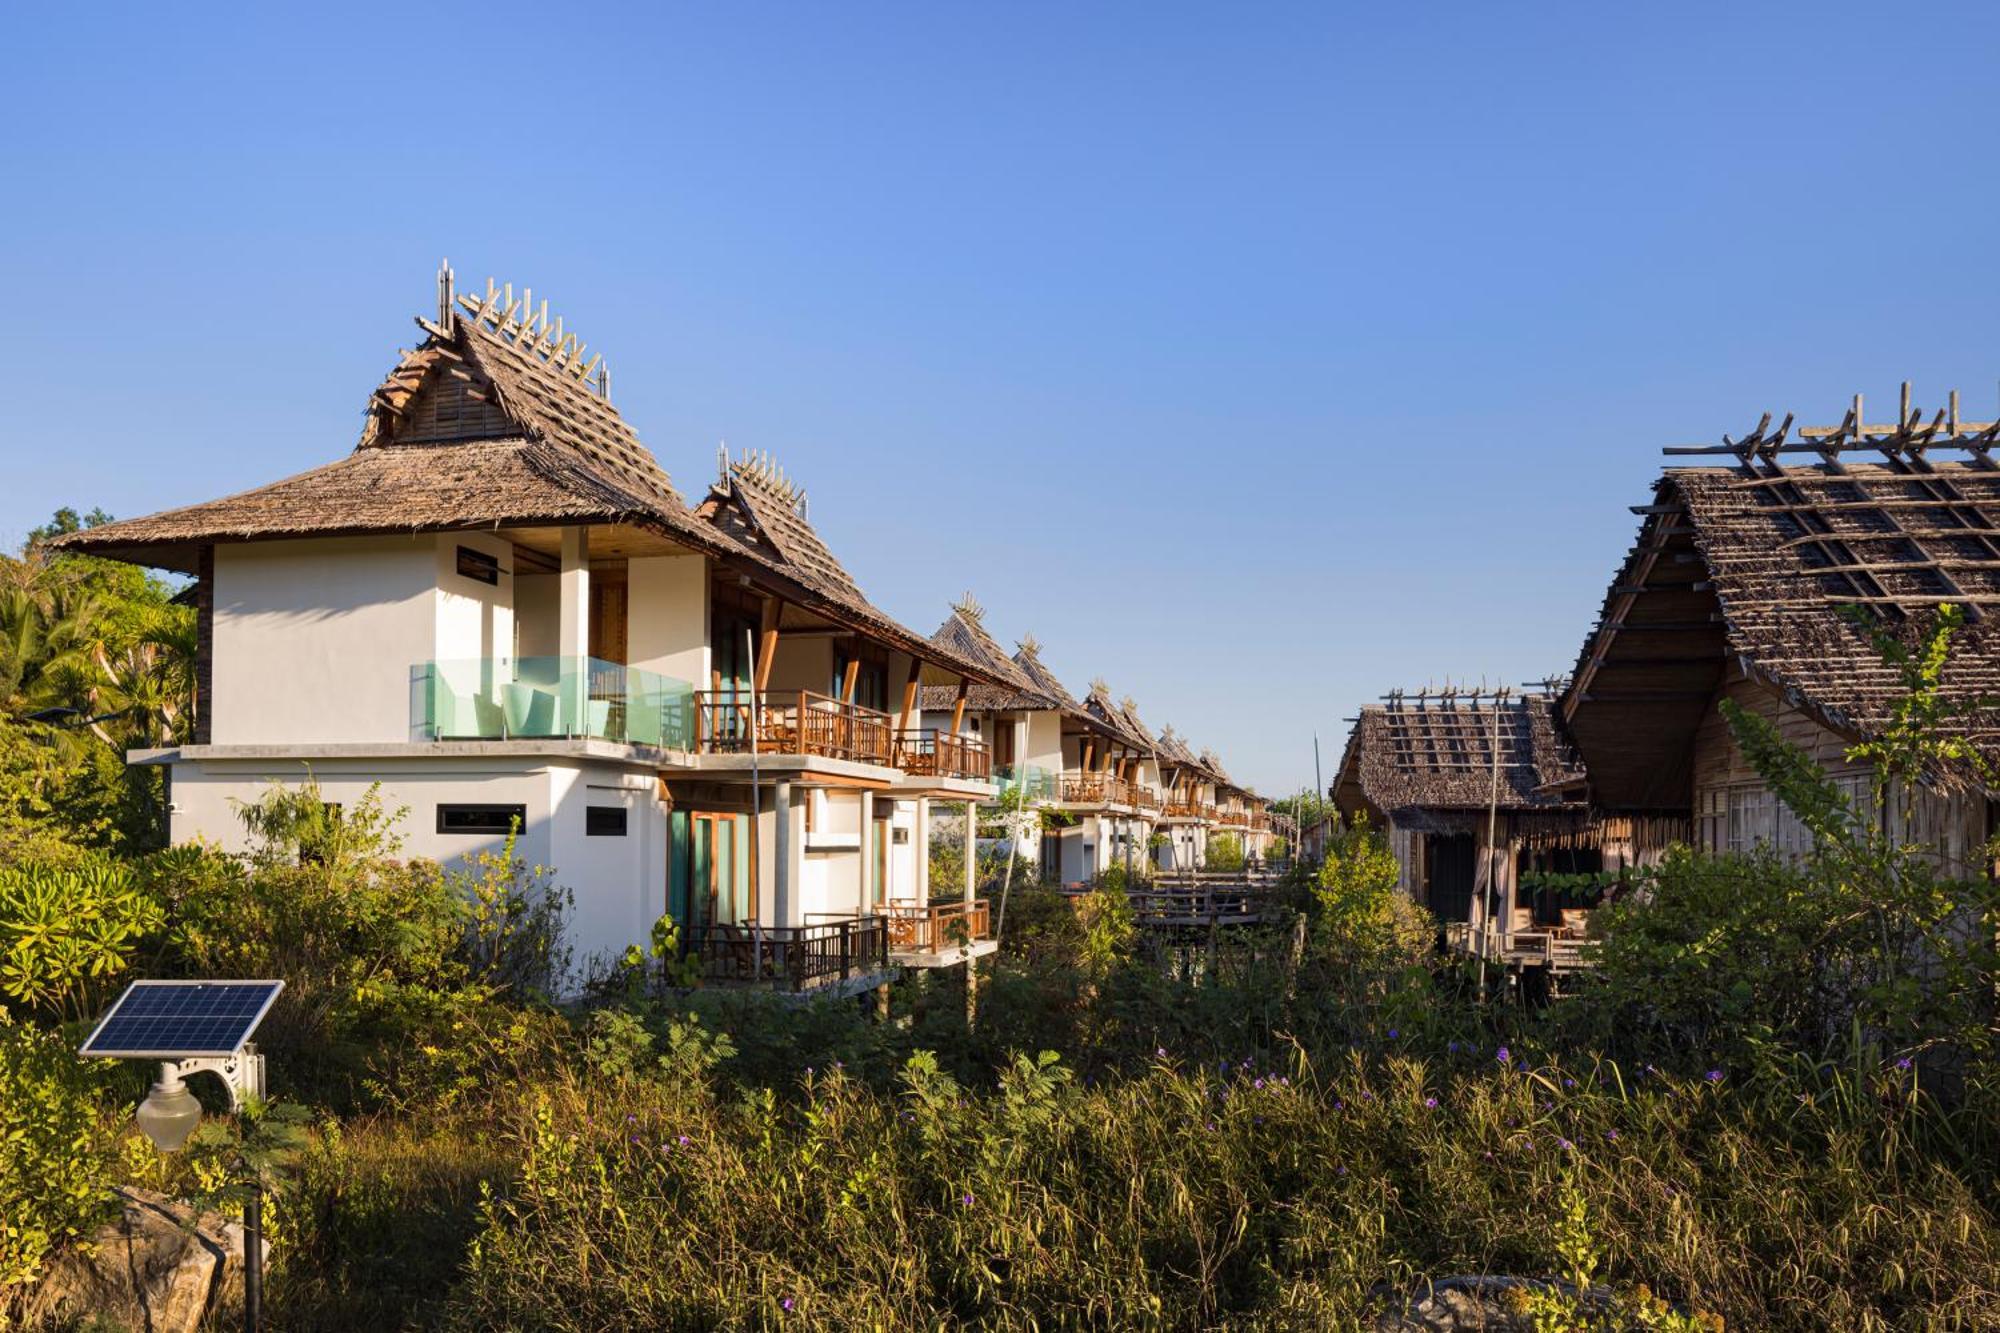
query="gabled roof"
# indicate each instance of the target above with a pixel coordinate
(1775, 569)
(964, 632)
(492, 420)
(1438, 751)
(755, 502)
(1029, 660)
(1121, 721)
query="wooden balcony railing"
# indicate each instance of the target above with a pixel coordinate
(938, 928)
(791, 958)
(929, 752)
(792, 722)
(1098, 789)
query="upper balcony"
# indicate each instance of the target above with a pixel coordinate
(791, 722)
(1097, 789)
(548, 698)
(934, 753)
(1033, 782)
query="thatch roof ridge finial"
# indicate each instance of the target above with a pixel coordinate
(1100, 686)
(525, 327)
(1029, 646)
(968, 606)
(762, 469)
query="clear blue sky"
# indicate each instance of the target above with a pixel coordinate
(1257, 358)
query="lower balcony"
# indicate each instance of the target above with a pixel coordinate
(547, 698)
(940, 934)
(1034, 783)
(834, 955)
(791, 722)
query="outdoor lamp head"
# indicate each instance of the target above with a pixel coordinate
(170, 1113)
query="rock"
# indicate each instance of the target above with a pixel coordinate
(159, 1267)
(1465, 1304)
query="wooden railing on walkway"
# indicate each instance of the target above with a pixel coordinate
(1192, 901)
(791, 958)
(929, 752)
(792, 722)
(1097, 789)
(939, 928)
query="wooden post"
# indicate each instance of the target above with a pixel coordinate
(767, 647)
(958, 708)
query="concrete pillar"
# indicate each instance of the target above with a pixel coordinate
(784, 887)
(971, 851)
(920, 833)
(867, 889)
(573, 626)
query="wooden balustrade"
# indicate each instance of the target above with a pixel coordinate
(930, 752)
(791, 722)
(938, 928)
(791, 958)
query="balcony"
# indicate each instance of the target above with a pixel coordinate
(795, 959)
(941, 930)
(547, 698)
(931, 753)
(1033, 782)
(1096, 789)
(791, 722)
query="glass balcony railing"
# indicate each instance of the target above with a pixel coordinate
(541, 698)
(1034, 782)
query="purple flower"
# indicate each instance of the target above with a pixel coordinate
(1160, 1052)
(1211, 1126)
(1393, 1034)
(1503, 1055)
(1903, 1063)
(1431, 1102)
(1611, 1135)
(1451, 1046)
(1566, 1145)
(1258, 1084)
(1341, 1170)
(1714, 1076)
(1569, 1083)
(785, 1303)
(683, 1140)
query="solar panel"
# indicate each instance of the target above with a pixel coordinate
(176, 1020)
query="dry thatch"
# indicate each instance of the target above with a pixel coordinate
(1433, 752)
(1784, 571)
(493, 422)
(964, 632)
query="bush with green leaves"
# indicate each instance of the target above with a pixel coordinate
(1224, 852)
(68, 931)
(55, 1171)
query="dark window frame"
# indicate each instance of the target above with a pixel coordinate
(516, 817)
(475, 564)
(596, 816)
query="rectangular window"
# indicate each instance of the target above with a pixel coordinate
(478, 566)
(487, 819)
(604, 821)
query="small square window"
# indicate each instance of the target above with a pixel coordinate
(604, 821)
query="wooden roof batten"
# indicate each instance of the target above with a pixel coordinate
(1904, 447)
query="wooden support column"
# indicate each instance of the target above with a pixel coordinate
(767, 642)
(971, 850)
(958, 708)
(909, 697)
(848, 678)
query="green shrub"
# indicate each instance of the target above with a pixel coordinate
(67, 931)
(55, 1176)
(1224, 852)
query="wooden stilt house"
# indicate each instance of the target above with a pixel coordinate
(1760, 577)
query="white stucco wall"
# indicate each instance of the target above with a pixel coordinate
(618, 885)
(314, 640)
(667, 617)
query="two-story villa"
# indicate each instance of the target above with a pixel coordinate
(500, 609)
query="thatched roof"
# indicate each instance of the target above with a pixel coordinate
(1118, 719)
(486, 423)
(1768, 567)
(1437, 751)
(964, 632)
(1029, 660)
(496, 421)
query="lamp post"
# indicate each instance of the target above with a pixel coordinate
(168, 1116)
